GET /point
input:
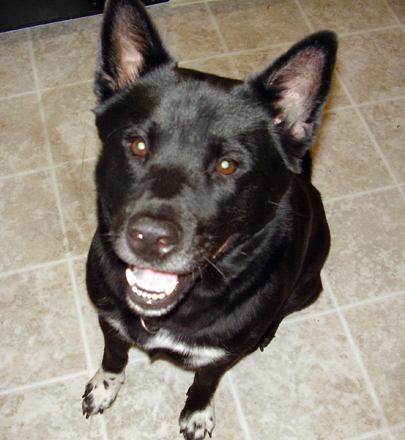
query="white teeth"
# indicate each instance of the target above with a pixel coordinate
(146, 295)
(171, 288)
(130, 277)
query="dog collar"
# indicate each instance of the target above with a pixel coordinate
(151, 329)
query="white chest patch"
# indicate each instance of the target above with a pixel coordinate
(198, 356)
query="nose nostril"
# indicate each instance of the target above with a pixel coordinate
(164, 241)
(137, 236)
(167, 241)
(166, 244)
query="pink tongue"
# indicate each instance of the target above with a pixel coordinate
(152, 281)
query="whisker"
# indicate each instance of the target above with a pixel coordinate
(216, 268)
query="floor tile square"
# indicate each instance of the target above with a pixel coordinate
(251, 24)
(371, 65)
(376, 329)
(217, 66)
(16, 70)
(150, 402)
(66, 52)
(71, 123)
(78, 199)
(303, 383)
(41, 337)
(48, 412)
(345, 160)
(184, 28)
(348, 15)
(30, 228)
(22, 137)
(398, 6)
(398, 433)
(387, 123)
(367, 255)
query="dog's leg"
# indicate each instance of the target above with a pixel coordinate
(269, 335)
(102, 390)
(197, 417)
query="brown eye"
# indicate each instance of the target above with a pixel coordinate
(226, 167)
(138, 147)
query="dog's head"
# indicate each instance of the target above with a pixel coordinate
(193, 163)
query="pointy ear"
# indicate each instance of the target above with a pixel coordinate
(129, 47)
(296, 87)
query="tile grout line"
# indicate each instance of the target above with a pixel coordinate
(360, 193)
(50, 382)
(372, 300)
(103, 428)
(371, 435)
(47, 142)
(387, 4)
(241, 415)
(241, 52)
(222, 39)
(357, 32)
(291, 321)
(326, 279)
(43, 383)
(368, 130)
(30, 268)
(396, 16)
(18, 95)
(355, 106)
(45, 89)
(41, 266)
(179, 3)
(208, 58)
(305, 16)
(64, 21)
(400, 425)
(371, 136)
(58, 202)
(80, 316)
(367, 31)
(48, 168)
(359, 359)
(69, 261)
(25, 173)
(379, 101)
(65, 86)
(365, 103)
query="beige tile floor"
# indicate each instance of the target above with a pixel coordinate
(335, 371)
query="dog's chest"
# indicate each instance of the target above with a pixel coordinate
(163, 341)
(194, 356)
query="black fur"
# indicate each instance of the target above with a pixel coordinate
(245, 240)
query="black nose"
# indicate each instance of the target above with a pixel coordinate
(152, 238)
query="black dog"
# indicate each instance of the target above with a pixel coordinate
(210, 231)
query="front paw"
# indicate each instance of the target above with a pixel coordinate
(101, 392)
(194, 425)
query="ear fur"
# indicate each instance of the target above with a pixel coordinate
(129, 46)
(295, 89)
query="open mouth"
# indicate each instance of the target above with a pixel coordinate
(154, 293)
